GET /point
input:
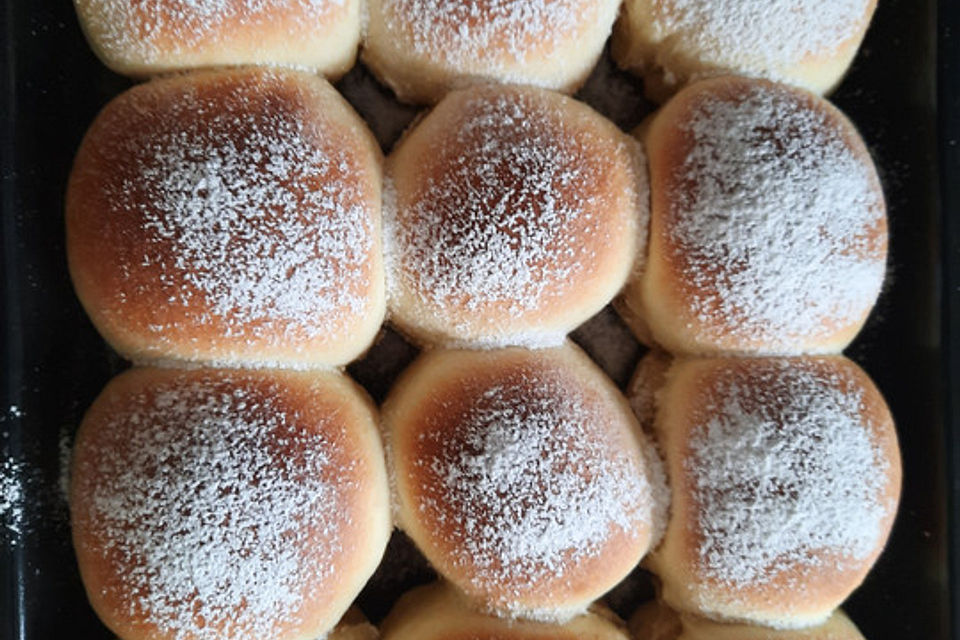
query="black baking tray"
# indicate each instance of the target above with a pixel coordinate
(904, 94)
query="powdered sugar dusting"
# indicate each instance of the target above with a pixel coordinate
(762, 36)
(783, 472)
(12, 477)
(253, 220)
(500, 225)
(488, 32)
(155, 30)
(209, 512)
(777, 221)
(530, 485)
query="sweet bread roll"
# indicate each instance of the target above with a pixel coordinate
(807, 43)
(513, 214)
(654, 621)
(148, 38)
(438, 612)
(423, 49)
(768, 230)
(227, 504)
(522, 476)
(229, 217)
(784, 477)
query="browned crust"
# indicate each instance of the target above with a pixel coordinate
(105, 243)
(435, 391)
(639, 45)
(662, 296)
(604, 241)
(326, 403)
(148, 38)
(686, 401)
(426, 76)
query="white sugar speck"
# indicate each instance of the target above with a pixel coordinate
(12, 476)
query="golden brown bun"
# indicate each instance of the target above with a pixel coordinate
(227, 504)
(513, 215)
(149, 38)
(423, 50)
(522, 476)
(354, 626)
(784, 476)
(229, 217)
(438, 612)
(655, 621)
(807, 43)
(768, 230)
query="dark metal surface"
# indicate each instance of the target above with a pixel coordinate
(948, 95)
(54, 363)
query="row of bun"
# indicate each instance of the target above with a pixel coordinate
(247, 217)
(226, 503)
(435, 612)
(425, 49)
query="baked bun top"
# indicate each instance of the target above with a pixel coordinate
(425, 49)
(438, 612)
(768, 225)
(655, 621)
(807, 43)
(488, 32)
(513, 214)
(764, 36)
(784, 477)
(522, 477)
(214, 504)
(229, 217)
(142, 38)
